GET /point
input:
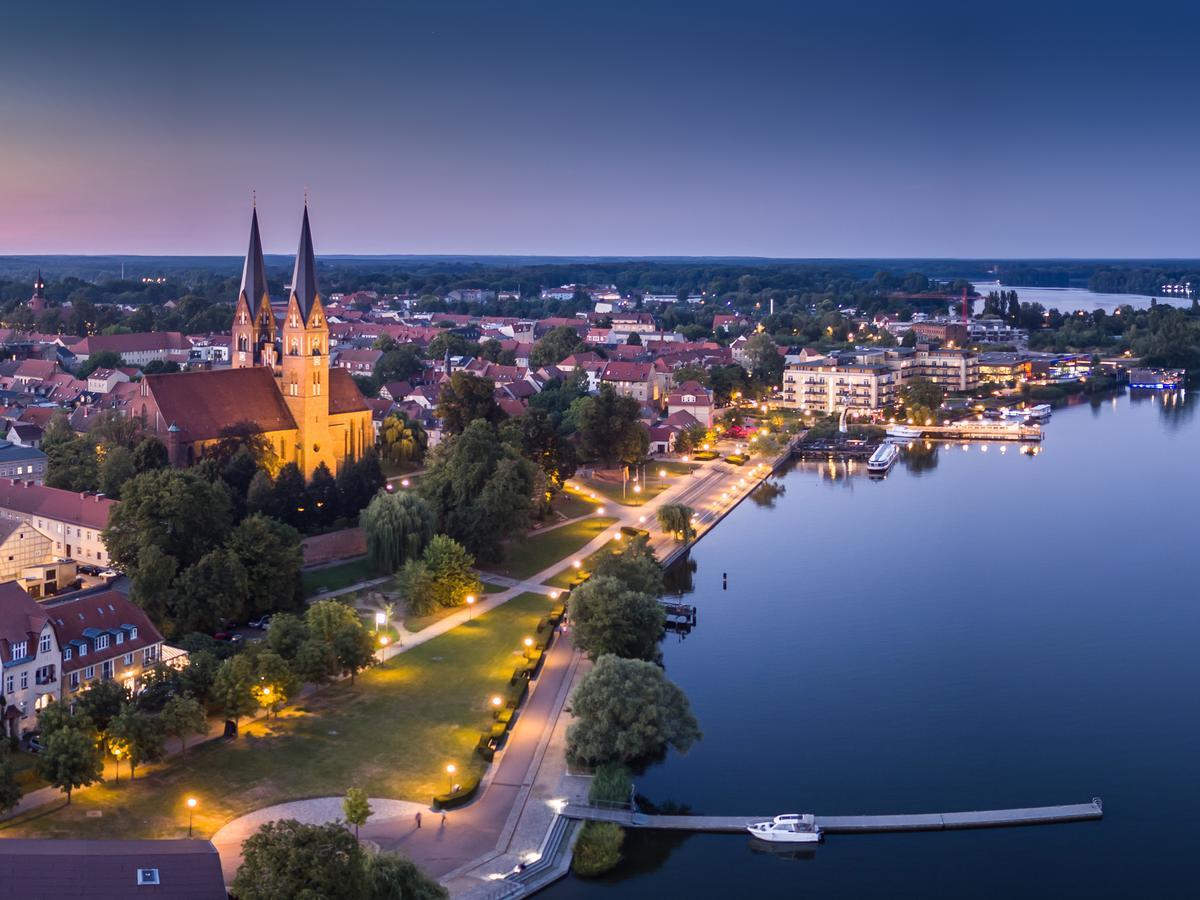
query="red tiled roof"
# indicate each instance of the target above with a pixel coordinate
(344, 395)
(79, 620)
(88, 510)
(131, 343)
(627, 371)
(203, 403)
(21, 619)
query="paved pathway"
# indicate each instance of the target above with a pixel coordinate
(442, 845)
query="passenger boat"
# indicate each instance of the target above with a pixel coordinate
(883, 458)
(905, 432)
(1039, 412)
(792, 828)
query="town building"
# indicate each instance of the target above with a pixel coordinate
(280, 385)
(73, 522)
(135, 349)
(824, 387)
(21, 547)
(18, 461)
(103, 635)
(30, 659)
(693, 398)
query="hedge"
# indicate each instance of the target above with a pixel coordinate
(454, 799)
(736, 459)
(634, 532)
(705, 454)
(504, 715)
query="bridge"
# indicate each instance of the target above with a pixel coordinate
(992, 818)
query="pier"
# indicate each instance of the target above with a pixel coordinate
(967, 431)
(950, 821)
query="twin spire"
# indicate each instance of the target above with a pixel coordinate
(304, 276)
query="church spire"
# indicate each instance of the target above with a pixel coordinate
(254, 272)
(304, 277)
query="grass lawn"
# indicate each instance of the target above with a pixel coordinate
(489, 588)
(571, 505)
(317, 581)
(655, 484)
(392, 734)
(569, 576)
(531, 555)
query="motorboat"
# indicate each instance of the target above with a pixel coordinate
(883, 458)
(791, 828)
(1039, 412)
(904, 432)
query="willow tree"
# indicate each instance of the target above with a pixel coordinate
(676, 520)
(398, 529)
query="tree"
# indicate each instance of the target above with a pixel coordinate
(102, 701)
(398, 528)
(609, 427)
(392, 877)
(402, 441)
(151, 586)
(447, 576)
(286, 634)
(118, 467)
(72, 465)
(161, 367)
(70, 759)
(555, 346)
(354, 648)
(316, 662)
(260, 496)
(764, 359)
(356, 808)
(183, 715)
(400, 362)
(287, 859)
(211, 591)
(150, 454)
(10, 791)
(199, 675)
(676, 520)
(634, 339)
(290, 501)
(322, 496)
(464, 399)
(105, 359)
(269, 553)
(274, 682)
(627, 711)
(177, 510)
(606, 617)
(922, 399)
(233, 687)
(325, 617)
(139, 736)
(635, 567)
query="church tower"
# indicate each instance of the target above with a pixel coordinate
(37, 303)
(305, 363)
(253, 322)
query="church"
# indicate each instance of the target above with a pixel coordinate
(280, 382)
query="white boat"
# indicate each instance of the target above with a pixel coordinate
(1039, 412)
(792, 828)
(905, 432)
(883, 458)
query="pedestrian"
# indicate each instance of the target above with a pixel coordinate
(443, 820)
(418, 818)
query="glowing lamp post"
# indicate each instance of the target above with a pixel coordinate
(450, 770)
(470, 606)
(191, 805)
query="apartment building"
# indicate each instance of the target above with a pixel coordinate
(823, 387)
(103, 635)
(30, 659)
(74, 522)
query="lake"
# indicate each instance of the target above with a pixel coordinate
(1072, 299)
(982, 629)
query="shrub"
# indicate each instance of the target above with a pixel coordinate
(634, 532)
(610, 784)
(499, 730)
(454, 799)
(518, 675)
(705, 454)
(736, 459)
(485, 749)
(598, 848)
(504, 715)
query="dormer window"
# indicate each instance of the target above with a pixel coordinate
(120, 637)
(133, 633)
(83, 649)
(44, 644)
(20, 649)
(102, 642)
(66, 654)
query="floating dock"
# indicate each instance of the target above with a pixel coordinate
(992, 818)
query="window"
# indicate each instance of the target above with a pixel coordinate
(24, 680)
(148, 655)
(147, 876)
(83, 649)
(19, 649)
(89, 672)
(106, 669)
(127, 660)
(66, 654)
(102, 642)
(44, 644)
(74, 679)
(8, 684)
(133, 633)
(120, 637)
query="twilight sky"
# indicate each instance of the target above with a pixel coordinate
(688, 127)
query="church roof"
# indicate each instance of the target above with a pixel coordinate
(344, 395)
(304, 276)
(254, 271)
(203, 403)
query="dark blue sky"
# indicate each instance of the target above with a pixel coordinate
(795, 129)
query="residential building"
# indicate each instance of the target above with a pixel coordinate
(21, 546)
(825, 387)
(136, 349)
(74, 522)
(633, 379)
(105, 870)
(103, 636)
(693, 398)
(946, 332)
(30, 659)
(25, 434)
(102, 381)
(17, 461)
(953, 370)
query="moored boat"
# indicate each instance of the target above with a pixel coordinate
(791, 828)
(883, 458)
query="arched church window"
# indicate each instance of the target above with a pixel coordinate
(294, 349)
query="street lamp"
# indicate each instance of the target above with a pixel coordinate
(497, 700)
(191, 805)
(554, 595)
(470, 606)
(450, 770)
(528, 642)
(380, 620)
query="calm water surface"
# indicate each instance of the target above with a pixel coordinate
(1072, 299)
(979, 630)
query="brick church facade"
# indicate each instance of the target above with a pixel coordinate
(280, 382)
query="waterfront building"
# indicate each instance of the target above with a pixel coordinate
(822, 387)
(1157, 379)
(1001, 368)
(953, 370)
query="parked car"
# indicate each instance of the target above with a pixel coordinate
(261, 622)
(33, 745)
(228, 636)
(88, 570)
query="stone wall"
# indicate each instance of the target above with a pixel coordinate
(342, 544)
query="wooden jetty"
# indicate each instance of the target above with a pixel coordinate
(678, 615)
(834, 449)
(992, 818)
